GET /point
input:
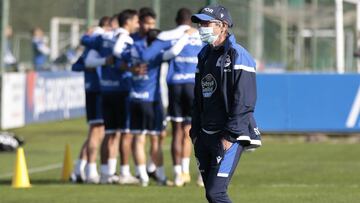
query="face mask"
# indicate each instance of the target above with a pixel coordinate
(207, 35)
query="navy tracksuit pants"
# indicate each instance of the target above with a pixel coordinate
(216, 165)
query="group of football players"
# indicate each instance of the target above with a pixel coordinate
(122, 64)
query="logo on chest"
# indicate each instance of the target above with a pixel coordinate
(209, 85)
(227, 61)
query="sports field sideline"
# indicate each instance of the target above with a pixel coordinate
(283, 170)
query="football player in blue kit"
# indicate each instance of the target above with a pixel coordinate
(115, 86)
(147, 21)
(93, 103)
(180, 79)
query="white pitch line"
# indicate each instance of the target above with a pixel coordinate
(36, 170)
(303, 185)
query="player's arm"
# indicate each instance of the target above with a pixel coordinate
(93, 60)
(155, 50)
(179, 45)
(121, 44)
(177, 48)
(89, 41)
(243, 98)
(79, 65)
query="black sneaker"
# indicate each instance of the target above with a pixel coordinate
(76, 178)
(152, 175)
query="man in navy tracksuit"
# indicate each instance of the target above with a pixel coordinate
(224, 102)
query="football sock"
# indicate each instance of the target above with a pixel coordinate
(185, 164)
(160, 173)
(80, 166)
(125, 170)
(112, 166)
(142, 172)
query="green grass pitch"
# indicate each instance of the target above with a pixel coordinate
(282, 171)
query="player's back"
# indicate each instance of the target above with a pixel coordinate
(182, 67)
(144, 87)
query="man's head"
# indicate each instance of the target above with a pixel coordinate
(129, 20)
(37, 32)
(114, 22)
(183, 16)
(105, 23)
(147, 19)
(213, 22)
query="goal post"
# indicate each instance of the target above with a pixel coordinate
(57, 44)
(340, 41)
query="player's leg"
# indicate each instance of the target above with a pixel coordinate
(96, 134)
(140, 158)
(156, 165)
(109, 152)
(176, 118)
(153, 160)
(125, 143)
(109, 146)
(138, 128)
(223, 164)
(104, 154)
(125, 154)
(176, 151)
(186, 152)
(187, 99)
(79, 175)
(113, 146)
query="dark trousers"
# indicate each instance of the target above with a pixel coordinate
(216, 165)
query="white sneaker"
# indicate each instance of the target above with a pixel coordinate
(93, 180)
(186, 177)
(128, 180)
(178, 180)
(200, 181)
(109, 179)
(144, 183)
(165, 182)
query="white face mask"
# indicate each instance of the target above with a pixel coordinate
(207, 35)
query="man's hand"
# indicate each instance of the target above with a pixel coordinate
(140, 69)
(226, 144)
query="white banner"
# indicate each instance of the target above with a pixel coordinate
(13, 100)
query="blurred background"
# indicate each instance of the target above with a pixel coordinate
(307, 54)
(283, 35)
